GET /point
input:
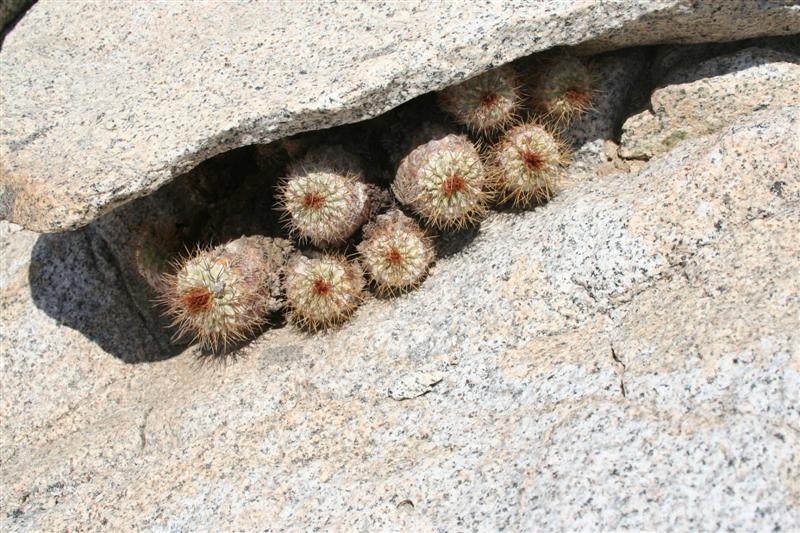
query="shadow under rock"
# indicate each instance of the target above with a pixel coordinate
(75, 279)
(452, 242)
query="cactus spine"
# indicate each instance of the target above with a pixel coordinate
(525, 164)
(324, 199)
(485, 103)
(443, 180)
(223, 294)
(395, 252)
(322, 291)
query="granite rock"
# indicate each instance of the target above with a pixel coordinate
(105, 102)
(699, 99)
(626, 356)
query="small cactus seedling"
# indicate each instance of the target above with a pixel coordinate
(323, 199)
(322, 291)
(223, 294)
(155, 247)
(525, 164)
(395, 252)
(563, 89)
(485, 103)
(443, 180)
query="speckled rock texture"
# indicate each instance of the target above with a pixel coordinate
(625, 357)
(104, 102)
(699, 99)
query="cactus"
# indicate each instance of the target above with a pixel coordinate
(223, 294)
(328, 158)
(322, 291)
(395, 252)
(563, 89)
(324, 199)
(443, 180)
(525, 164)
(485, 103)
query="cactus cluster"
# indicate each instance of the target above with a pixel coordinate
(501, 146)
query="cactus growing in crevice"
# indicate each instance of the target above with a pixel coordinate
(328, 158)
(562, 88)
(486, 103)
(396, 252)
(525, 163)
(322, 291)
(223, 294)
(443, 180)
(324, 200)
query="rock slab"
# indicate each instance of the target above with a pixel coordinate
(625, 357)
(104, 102)
(700, 99)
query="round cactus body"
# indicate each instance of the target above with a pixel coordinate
(322, 291)
(563, 89)
(485, 103)
(395, 252)
(328, 158)
(221, 295)
(323, 198)
(443, 180)
(525, 164)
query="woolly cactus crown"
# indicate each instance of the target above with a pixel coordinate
(221, 295)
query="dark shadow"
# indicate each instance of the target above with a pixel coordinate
(19, 11)
(452, 242)
(74, 279)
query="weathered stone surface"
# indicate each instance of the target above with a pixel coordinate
(617, 75)
(625, 357)
(105, 102)
(699, 99)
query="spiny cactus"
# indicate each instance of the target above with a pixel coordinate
(155, 247)
(323, 199)
(395, 252)
(322, 291)
(563, 88)
(485, 103)
(223, 294)
(443, 180)
(525, 164)
(328, 158)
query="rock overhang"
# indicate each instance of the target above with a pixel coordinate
(132, 96)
